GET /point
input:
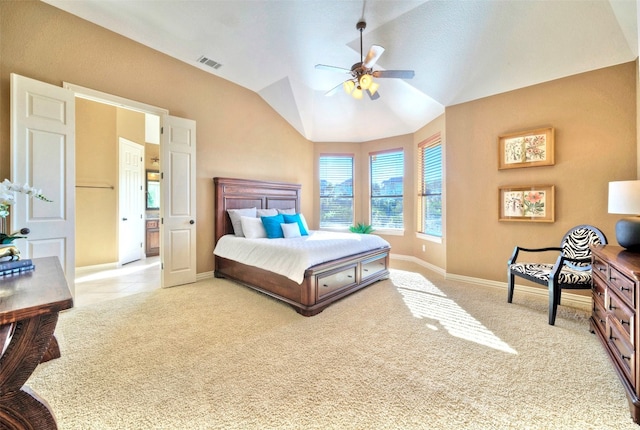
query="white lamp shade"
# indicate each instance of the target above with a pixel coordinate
(624, 197)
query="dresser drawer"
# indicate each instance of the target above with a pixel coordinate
(373, 266)
(624, 286)
(328, 283)
(621, 313)
(621, 350)
(599, 267)
(598, 288)
(152, 223)
(599, 315)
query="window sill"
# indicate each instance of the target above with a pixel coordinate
(429, 238)
(387, 232)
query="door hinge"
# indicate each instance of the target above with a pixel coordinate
(161, 266)
(140, 244)
(161, 130)
(161, 175)
(161, 220)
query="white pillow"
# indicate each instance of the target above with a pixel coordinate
(290, 230)
(304, 223)
(291, 211)
(253, 227)
(266, 212)
(235, 215)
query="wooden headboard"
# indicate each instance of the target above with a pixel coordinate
(245, 193)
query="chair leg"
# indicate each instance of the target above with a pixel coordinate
(554, 301)
(510, 286)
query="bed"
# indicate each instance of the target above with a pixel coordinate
(323, 283)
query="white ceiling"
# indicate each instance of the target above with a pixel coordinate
(460, 50)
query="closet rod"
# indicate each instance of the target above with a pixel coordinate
(95, 186)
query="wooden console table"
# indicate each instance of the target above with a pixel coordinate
(29, 306)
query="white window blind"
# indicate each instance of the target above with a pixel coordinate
(387, 189)
(336, 191)
(430, 159)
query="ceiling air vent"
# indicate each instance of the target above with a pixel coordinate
(209, 62)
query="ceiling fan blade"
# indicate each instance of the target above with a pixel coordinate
(401, 74)
(374, 53)
(374, 96)
(333, 90)
(332, 68)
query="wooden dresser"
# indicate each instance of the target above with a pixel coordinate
(615, 314)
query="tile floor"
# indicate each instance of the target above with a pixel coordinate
(94, 285)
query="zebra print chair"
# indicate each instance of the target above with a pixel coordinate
(572, 269)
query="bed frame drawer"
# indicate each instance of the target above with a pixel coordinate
(330, 282)
(373, 266)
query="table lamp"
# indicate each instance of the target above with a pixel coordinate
(624, 198)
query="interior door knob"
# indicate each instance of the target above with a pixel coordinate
(124, 219)
(192, 222)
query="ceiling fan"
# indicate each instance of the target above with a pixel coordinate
(362, 73)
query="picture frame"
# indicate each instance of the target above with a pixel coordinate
(532, 148)
(531, 203)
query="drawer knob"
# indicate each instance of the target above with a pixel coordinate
(625, 289)
(624, 357)
(601, 269)
(325, 285)
(623, 322)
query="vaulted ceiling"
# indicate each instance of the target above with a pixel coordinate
(460, 50)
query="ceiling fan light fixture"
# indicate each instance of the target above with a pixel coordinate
(357, 93)
(365, 81)
(373, 88)
(348, 86)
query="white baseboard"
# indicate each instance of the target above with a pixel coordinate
(568, 299)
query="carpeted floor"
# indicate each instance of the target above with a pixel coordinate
(412, 352)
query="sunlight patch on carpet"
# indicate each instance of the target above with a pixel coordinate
(425, 300)
(120, 271)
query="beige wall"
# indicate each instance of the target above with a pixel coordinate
(238, 134)
(96, 162)
(594, 116)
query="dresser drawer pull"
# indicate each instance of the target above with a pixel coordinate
(602, 321)
(624, 357)
(601, 269)
(623, 322)
(625, 289)
(599, 294)
(611, 307)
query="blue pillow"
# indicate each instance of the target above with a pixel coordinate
(289, 219)
(272, 226)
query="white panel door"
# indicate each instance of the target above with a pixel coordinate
(43, 155)
(130, 201)
(178, 201)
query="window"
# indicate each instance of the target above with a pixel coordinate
(430, 159)
(387, 189)
(336, 191)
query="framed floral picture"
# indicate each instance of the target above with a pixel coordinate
(526, 149)
(534, 203)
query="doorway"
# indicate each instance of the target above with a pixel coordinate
(110, 132)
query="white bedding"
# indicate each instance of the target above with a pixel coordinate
(291, 257)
